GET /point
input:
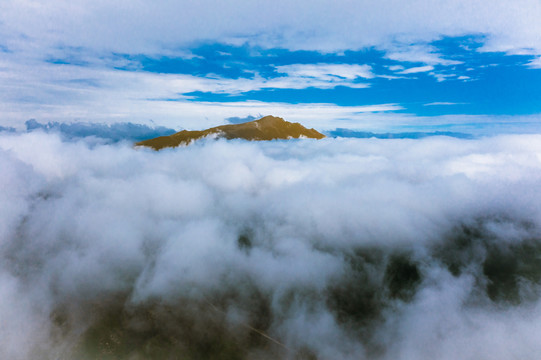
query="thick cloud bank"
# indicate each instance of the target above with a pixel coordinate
(331, 249)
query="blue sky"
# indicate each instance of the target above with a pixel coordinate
(473, 83)
(470, 66)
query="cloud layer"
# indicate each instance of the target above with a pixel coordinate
(152, 27)
(339, 248)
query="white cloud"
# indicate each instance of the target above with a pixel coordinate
(322, 76)
(421, 53)
(327, 72)
(442, 77)
(417, 69)
(535, 63)
(345, 246)
(164, 25)
(396, 67)
(430, 70)
(440, 103)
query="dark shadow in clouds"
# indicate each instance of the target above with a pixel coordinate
(113, 133)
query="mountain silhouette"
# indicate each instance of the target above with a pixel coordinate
(266, 128)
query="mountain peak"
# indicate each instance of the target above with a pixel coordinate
(266, 128)
(269, 119)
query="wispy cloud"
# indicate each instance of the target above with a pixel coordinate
(418, 53)
(322, 76)
(535, 63)
(417, 69)
(327, 72)
(442, 103)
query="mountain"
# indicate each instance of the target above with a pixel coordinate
(266, 128)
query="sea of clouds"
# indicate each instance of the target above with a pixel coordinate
(331, 249)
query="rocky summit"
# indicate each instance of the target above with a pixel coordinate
(266, 128)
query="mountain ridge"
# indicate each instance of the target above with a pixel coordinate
(264, 129)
